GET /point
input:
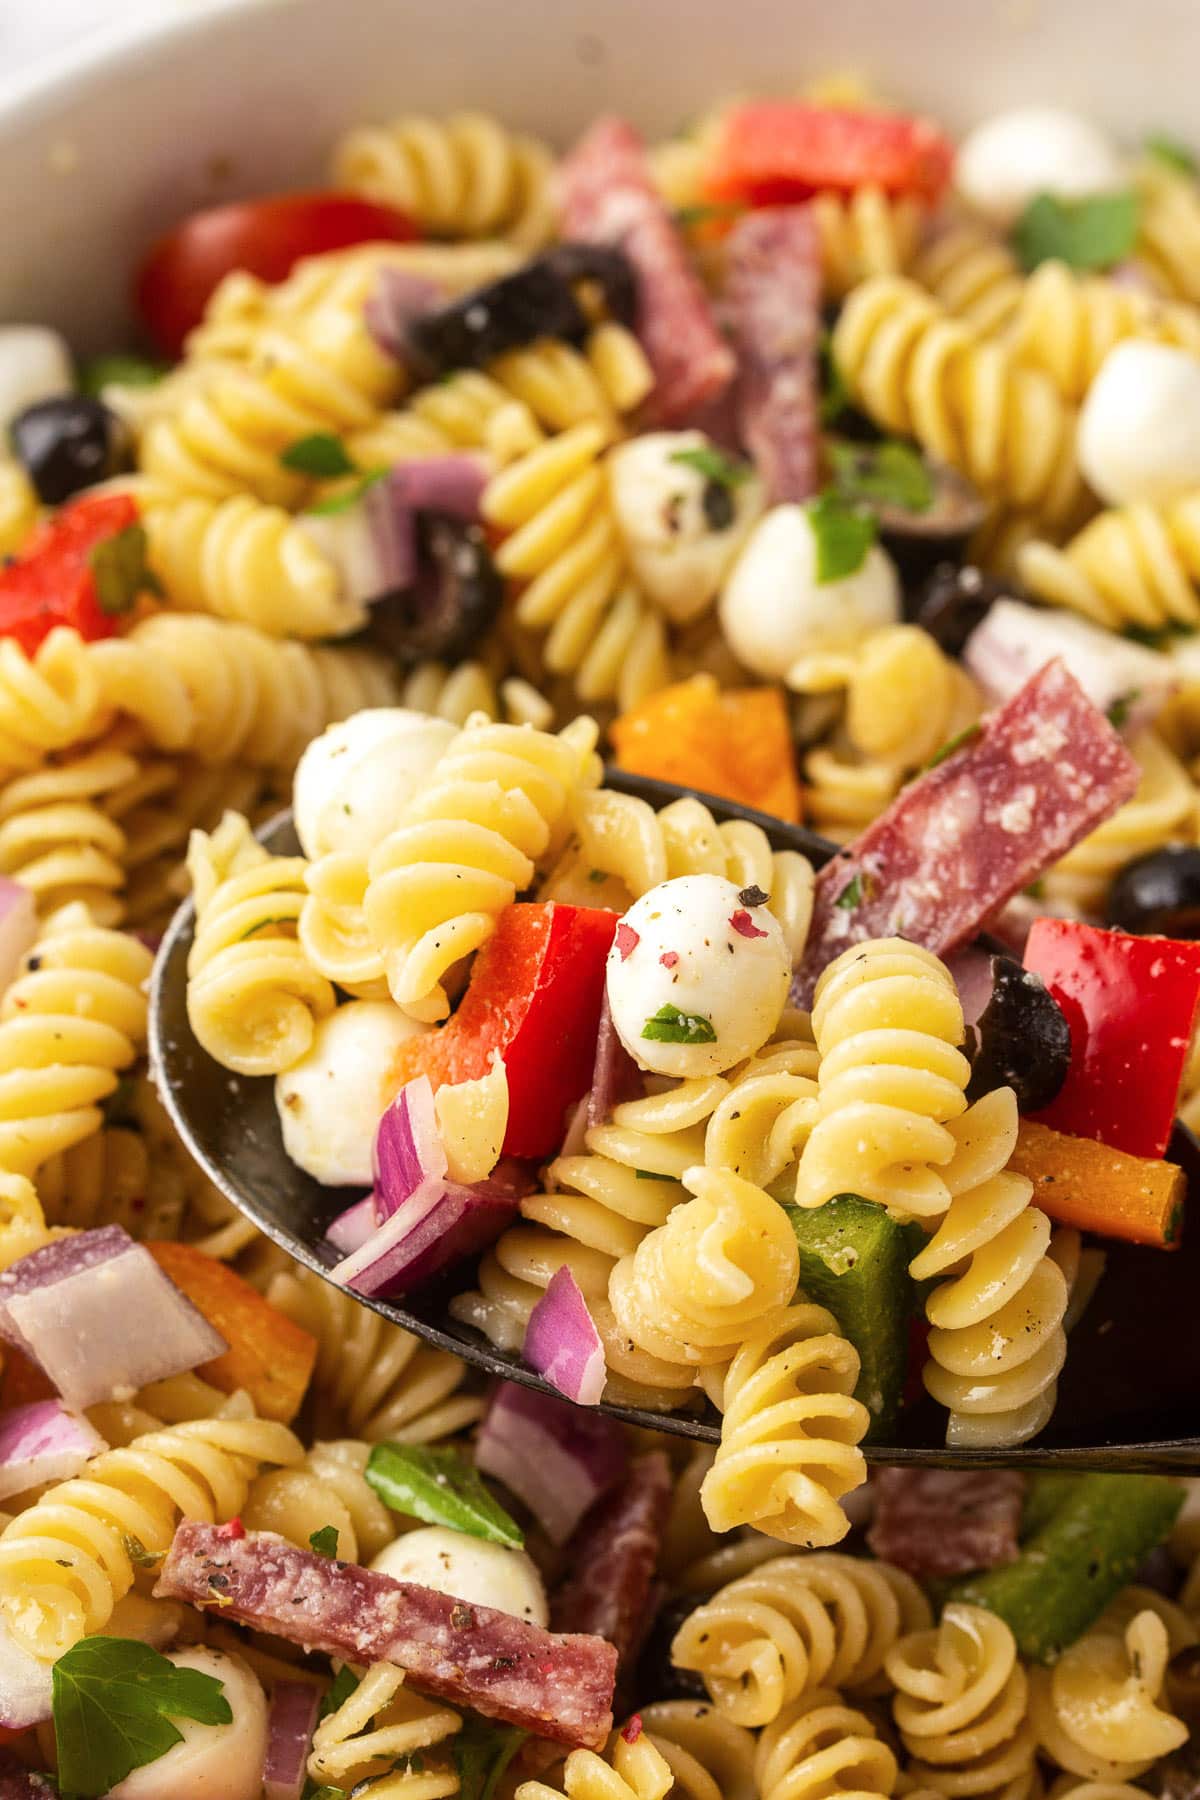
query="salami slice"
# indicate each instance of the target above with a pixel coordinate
(557, 1686)
(939, 1522)
(1044, 770)
(606, 196)
(773, 292)
(612, 1558)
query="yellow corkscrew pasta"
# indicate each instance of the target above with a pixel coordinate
(709, 1757)
(1067, 323)
(1168, 239)
(1098, 1712)
(973, 274)
(864, 233)
(1163, 810)
(636, 1771)
(843, 792)
(761, 1125)
(56, 837)
(328, 1488)
(380, 1725)
(818, 1748)
(1130, 565)
(48, 701)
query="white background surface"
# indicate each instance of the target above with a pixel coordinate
(32, 29)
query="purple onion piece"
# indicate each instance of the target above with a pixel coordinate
(408, 1148)
(395, 301)
(438, 1225)
(555, 1457)
(43, 1442)
(290, 1724)
(351, 1229)
(615, 1075)
(562, 1343)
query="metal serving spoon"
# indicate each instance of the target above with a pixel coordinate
(1129, 1398)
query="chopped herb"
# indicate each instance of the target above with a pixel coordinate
(966, 736)
(137, 1552)
(670, 1026)
(119, 570)
(339, 1691)
(844, 534)
(1118, 713)
(263, 925)
(1036, 890)
(651, 1175)
(482, 1752)
(850, 895)
(706, 212)
(114, 1700)
(325, 1541)
(442, 1488)
(119, 370)
(597, 875)
(1169, 150)
(324, 1792)
(350, 496)
(1093, 233)
(713, 464)
(888, 474)
(1155, 637)
(318, 454)
(835, 390)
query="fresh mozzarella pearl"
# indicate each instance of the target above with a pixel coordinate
(469, 1568)
(35, 364)
(774, 610)
(1139, 431)
(681, 528)
(214, 1762)
(353, 780)
(1006, 162)
(694, 945)
(332, 1100)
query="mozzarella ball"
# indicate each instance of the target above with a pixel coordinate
(682, 528)
(331, 1101)
(1139, 430)
(35, 364)
(712, 967)
(353, 780)
(469, 1568)
(1008, 161)
(214, 1762)
(774, 610)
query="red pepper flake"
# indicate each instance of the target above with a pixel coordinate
(744, 925)
(669, 958)
(626, 940)
(234, 1529)
(631, 1731)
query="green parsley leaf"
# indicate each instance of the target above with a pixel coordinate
(119, 370)
(1155, 637)
(137, 1552)
(706, 211)
(119, 570)
(482, 1752)
(114, 1700)
(888, 474)
(597, 875)
(325, 1541)
(1167, 149)
(318, 454)
(1036, 890)
(966, 736)
(1093, 233)
(844, 535)
(1118, 713)
(338, 1691)
(349, 496)
(850, 895)
(670, 1026)
(713, 464)
(835, 390)
(651, 1175)
(324, 1792)
(442, 1488)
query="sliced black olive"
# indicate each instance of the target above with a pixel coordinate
(657, 1677)
(70, 443)
(717, 503)
(610, 269)
(1022, 1040)
(953, 600)
(533, 303)
(454, 600)
(919, 539)
(1159, 893)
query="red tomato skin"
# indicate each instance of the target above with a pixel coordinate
(51, 584)
(778, 152)
(535, 995)
(1131, 1004)
(264, 237)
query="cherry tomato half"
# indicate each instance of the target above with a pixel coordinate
(264, 237)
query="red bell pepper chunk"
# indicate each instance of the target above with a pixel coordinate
(776, 152)
(1130, 1003)
(53, 581)
(535, 994)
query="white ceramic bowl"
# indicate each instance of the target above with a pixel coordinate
(107, 145)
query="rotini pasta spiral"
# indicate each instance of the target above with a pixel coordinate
(462, 176)
(471, 687)
(1067, 323)
(1130, 565)
(562, 550)
(497, 800)
(1097, 1713)
(64, 1562)
(819, 1747)
(904, 696)
(373, 1379)
(973, 274)
(997, 1341)
(380, 1727)
(864, 233)
(71, 1021)
(1168, 240)
(761, 1125)
(1163, 810)
(327, 1488)
(49, 701)
(924, 374)
(252, 997)
(694, 1559)
(961, 1706)
(887, 1022)
(709, 1757)
(19, 505)
(723, 1262)
(636, 1771)
(844, 792)
(113, 1178)
(798, 1623)
(59, 842)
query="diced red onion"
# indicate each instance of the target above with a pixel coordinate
(290, 1723)
(96, 1313)
(351, 1229)
(972, 972)
(615, 1075)
(18, 927)
(395, 301)
(1014, 641)
(555, 1457)
(562, 1343)
(43, 1442)
(445, 484)
(437, 1225)
(575, 1138)
(408, 1147)
(25, 1691)
(373, 541)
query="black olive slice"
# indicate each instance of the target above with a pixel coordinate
(1158, 893)
(452, 604)
(657, 1675)
(70, 443)
(955, 598)
(1021, 1040)
(609, 268)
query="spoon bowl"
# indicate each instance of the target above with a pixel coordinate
(1129, 1397)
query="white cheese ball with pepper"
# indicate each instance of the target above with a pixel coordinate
(213, 1762)
(697, 976)
(469, 1568)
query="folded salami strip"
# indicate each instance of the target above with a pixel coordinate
(940, 1522)
(1044, 770)
(773, 297)
(606, 196)
(612, 1558)
(560, 1687)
